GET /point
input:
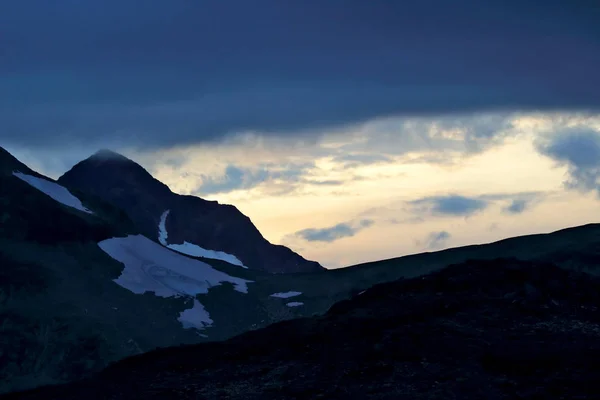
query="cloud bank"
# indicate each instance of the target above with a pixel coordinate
(162, 74)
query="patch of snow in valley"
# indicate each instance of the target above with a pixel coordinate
(54, 190)
(150, 267)
(193, 249)
(286, 295)
(195, 317)
(295, 304)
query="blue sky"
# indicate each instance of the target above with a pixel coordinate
(333, 124)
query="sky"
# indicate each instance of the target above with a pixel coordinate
(348, 130)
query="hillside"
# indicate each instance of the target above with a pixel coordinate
(81, 286)
(195, 225)
(67, 303)
(500, 329)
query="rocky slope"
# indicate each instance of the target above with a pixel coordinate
(500, 329)
(71, 300)
(208, 224)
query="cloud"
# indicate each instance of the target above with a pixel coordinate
(579, 150)
(276, 179)
(336, 232)
(451, 205)
(174, 73)
(359, 159)
(238, 178)
(235, 179)
(327, 182)
(435, 240)
(517, 206)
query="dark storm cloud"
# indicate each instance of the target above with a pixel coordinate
(579, 150)
(160, 73)
(336, 232)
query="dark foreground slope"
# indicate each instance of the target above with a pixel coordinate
(220, 227)
(493, 329)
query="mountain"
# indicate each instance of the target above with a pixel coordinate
(37, 209)
(189, 224)
(80, 286)
(499, 329)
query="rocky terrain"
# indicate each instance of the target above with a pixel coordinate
(499, 329)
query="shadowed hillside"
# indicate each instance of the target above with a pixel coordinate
(499, 329)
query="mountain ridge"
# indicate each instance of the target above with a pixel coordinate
(80, 286)
(205, 223)
(69, 304)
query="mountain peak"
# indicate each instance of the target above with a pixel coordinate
(109, 170)
(107, 154)
(111, 160)
(206, 224)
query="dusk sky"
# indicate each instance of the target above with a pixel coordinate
(347, 130)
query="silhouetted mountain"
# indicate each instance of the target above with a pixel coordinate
(31, 214)
(80, 287)
(188, 219)
(501, 329)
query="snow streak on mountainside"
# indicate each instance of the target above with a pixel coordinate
(150, 267)
(295, 304)
(162, 228)
(193, 249)
(54, 190)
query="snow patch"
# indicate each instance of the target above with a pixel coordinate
(54, 190)
(162, 228)
(196, 251)
(195, 317)
(294, 304)
(286, 295)
(193, 249)
(150, 267)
